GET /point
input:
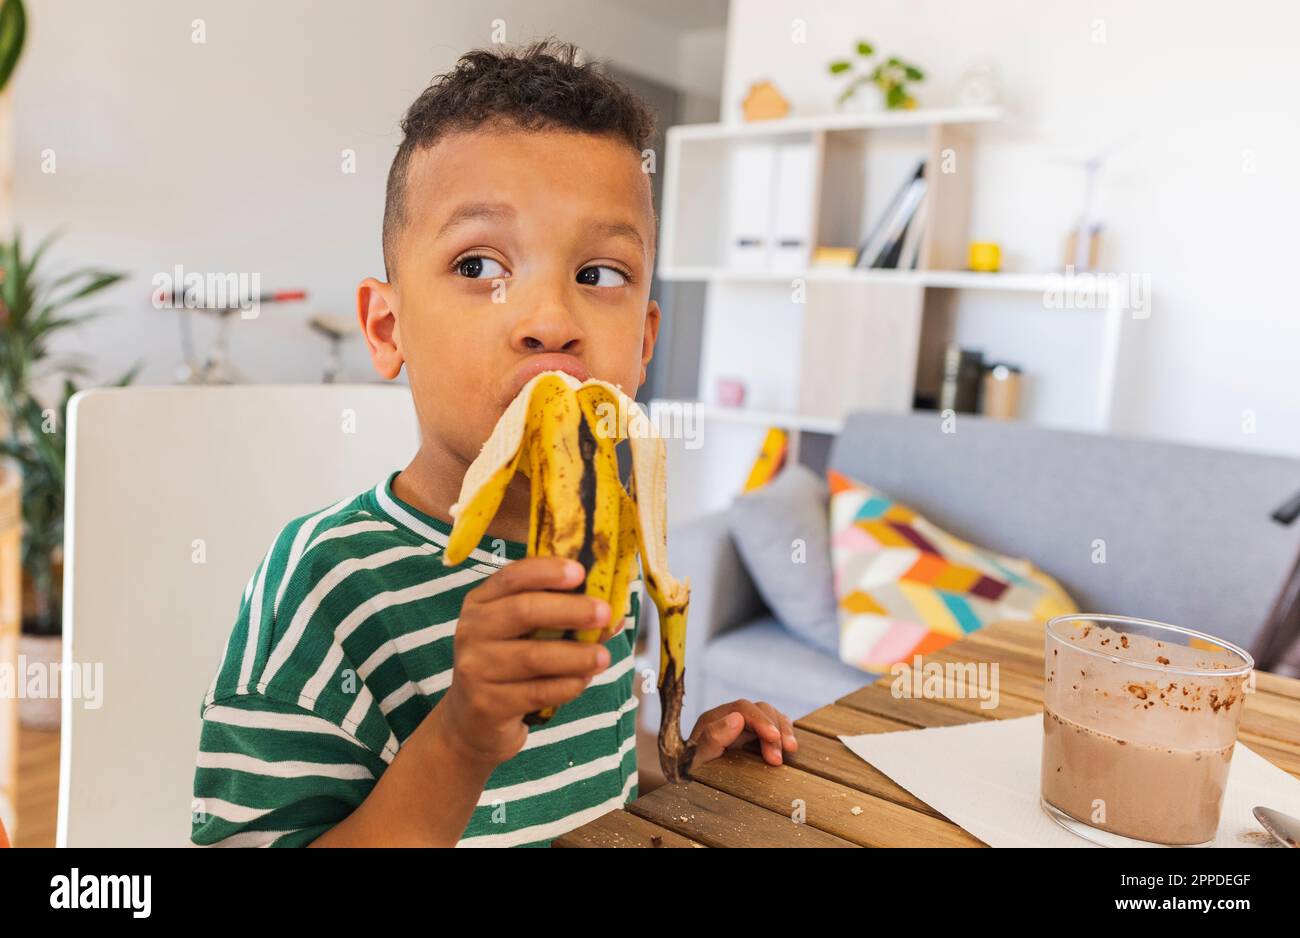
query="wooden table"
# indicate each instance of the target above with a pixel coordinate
(740, 801)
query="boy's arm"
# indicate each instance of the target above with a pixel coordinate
(427, 794)
(424, 799)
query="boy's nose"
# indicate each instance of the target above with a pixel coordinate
(548, 328)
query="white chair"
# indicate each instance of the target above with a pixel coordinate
(159, 478)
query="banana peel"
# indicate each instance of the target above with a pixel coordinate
(563, 434)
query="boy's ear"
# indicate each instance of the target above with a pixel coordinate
(377, 312)
(649, 336)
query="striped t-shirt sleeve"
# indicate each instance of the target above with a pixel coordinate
(271, 774)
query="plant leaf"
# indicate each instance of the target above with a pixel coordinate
(99, 281)
(131, 374)
(13, 30)
(851, 90)
(34, 260)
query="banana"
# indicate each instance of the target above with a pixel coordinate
(563, 434)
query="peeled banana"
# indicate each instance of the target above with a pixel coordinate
(563, 434)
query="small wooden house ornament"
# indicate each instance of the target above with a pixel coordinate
(764, 103)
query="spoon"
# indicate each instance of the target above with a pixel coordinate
(1283, 827)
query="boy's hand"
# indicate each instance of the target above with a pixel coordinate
(738, 722)
(499, 674)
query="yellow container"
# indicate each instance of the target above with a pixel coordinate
(985, 256)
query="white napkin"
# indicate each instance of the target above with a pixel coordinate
(984, 777)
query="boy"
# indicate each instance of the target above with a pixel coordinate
(369, 695)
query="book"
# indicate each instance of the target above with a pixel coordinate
(960, 389)
(831, 256)
(869, 249)
(904, 214)
(909, 257)
(884, 244)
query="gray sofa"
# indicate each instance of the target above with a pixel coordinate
(1188, 539)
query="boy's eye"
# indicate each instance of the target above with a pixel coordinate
(599, 275)
(480, 268)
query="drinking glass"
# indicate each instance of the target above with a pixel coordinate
(1139, 723)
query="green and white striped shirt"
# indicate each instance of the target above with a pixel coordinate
(342, 646)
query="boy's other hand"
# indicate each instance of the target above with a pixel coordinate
(500, 674)
(736, 723)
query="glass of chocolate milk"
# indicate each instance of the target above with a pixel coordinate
(1139, 721)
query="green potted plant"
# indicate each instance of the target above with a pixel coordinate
(33, 310)
(13, 30)
(884, 85)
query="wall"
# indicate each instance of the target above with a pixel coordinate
(1193, 104)
(227, 155)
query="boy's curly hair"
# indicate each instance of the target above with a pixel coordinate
(539, 87)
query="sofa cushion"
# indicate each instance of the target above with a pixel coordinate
(761, 660)
(782, 534)
(907, 587)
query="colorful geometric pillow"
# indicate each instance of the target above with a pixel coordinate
(907, 588)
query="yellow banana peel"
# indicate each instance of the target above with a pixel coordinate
(563, 434)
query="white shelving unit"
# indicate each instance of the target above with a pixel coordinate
(812, 344)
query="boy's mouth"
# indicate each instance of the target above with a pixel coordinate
(534, 365)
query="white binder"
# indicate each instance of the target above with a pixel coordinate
(792, 211)
(753, 169)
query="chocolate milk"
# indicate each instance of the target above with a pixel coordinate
(1139, 751)
(1160, 795)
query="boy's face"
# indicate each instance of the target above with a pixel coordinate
(522, 252)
